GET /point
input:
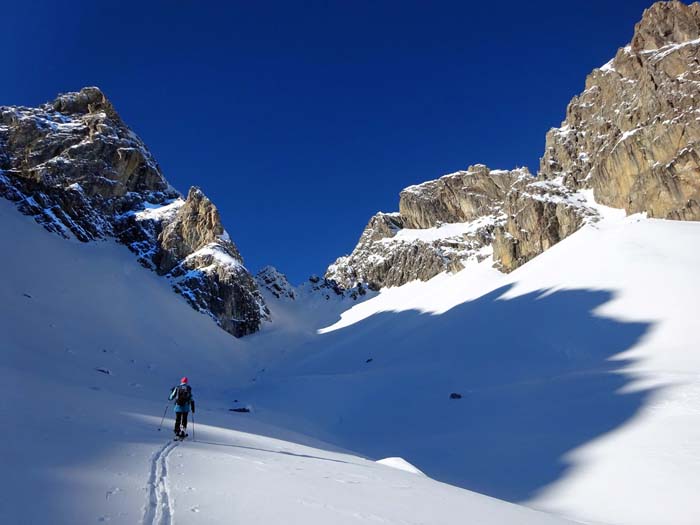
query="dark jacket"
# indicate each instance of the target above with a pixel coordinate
(186, 407)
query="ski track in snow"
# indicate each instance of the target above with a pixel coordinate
(159, 510)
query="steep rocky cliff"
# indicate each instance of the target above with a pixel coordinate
(443, 223)
(76, 168)
(632, 138)
(633, 135)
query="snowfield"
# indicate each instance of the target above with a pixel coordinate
(576, 383)
(91, 345)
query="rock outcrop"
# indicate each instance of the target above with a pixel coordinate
(633, 135)
(458, 197)
(81, 172)
(538, 214)
(276, 283)
(444, 223)
(632, 138)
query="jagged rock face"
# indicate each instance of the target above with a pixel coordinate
(77, 163)
(196, 224)
(539, 215)
(667, 22)
(81, 172)
(458, 197)
(275, 282)
(78, 139)
(218, 284)
(442, 223)
(327, 288)
(393, 266)
(633, 135)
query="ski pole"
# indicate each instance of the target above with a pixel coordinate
(193, 439)
(163, 418)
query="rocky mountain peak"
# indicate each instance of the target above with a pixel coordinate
(666, 23)
(196, 224)
(633, 135)
(76, 168)
(87, 100)
(77, 139)
(275, 282)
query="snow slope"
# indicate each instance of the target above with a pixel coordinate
(91, 344)
(579, 375)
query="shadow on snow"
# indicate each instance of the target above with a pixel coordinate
(535, 374)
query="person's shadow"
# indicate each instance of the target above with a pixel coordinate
(535, 374)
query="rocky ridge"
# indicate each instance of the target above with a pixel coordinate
(444, 223)
(275, 283)
(633, 135)
(631, 138)
(76, 168)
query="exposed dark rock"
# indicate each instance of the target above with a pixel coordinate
(276, 283)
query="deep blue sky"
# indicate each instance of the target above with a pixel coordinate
(302, 119)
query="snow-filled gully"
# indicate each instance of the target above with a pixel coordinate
(158, 509)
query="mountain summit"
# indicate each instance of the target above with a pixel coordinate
(631, 140)
(82, 173)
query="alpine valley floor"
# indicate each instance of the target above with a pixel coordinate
(579, 375)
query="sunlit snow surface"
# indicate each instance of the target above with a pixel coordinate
(579, 375)
(91, 345)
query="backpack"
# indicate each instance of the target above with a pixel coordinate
(183, 395)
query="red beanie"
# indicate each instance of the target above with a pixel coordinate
(183, 380)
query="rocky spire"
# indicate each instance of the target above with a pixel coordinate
(666, 23)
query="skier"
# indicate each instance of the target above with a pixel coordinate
(182, 394)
